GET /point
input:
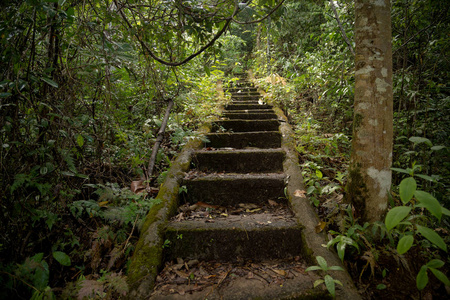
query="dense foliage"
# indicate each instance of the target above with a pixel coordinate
(310, 73)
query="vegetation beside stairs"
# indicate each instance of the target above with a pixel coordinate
(248, 132)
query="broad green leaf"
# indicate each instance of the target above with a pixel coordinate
(49, 81)
(341, 249)
(310, 189)
(419, 140)
(430, 203)
(80, 140)
(422, 278)
(441, 276)
(62, 258)
(4, 95)
(313, 268)
(407, 188)
(432, 236)
(319, 174)
(445, 211)
(329, 283)
(41, 276)
(318, 282)
(402, 170)
(395, 216)
(435, 263)
(426, 177)
(322, 262)
(404, 244)
(437, 148)
(381, 286)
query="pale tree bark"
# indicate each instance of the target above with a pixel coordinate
(371, 158)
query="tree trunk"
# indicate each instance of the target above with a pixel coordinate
(371, 158)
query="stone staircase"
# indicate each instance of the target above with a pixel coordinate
(238, 210)
(242, 163)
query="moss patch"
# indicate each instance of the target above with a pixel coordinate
(356, 189)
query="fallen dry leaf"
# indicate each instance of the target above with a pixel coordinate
(320, 227)
(279, 272)
(273, 203)
(137, 186)
(300, 193)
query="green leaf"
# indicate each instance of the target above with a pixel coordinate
(319, 174)
(432, 236)
(381, 286)
(422, 278)
(430, 203)
(4, 95)
(310, 189)
(341, 250)
(437, 148)
(404, 244)
(441, 276)
(329, 283)
(435, 263)
(322, 262)
(207, 70)
(80, 140)
(426, 177)
(395, 216)
(419, 140)
(407, 188)
(402, 170)
(62, 258)
(41, 275)
(445, 211)
(318, 282)
(313, 268)
(50, 82)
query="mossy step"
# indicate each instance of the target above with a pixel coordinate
(253, 237)
(245, 125)
(243, 90)
(239, 140)
(232, 189)
(250, 115)
(239, 161)
(246, 102)
(245, 97)
(247, 106)
(242, 84)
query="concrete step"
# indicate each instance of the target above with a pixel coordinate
(231, 189)
(245, 125)
(243, 90)
(250, 115)
(235, 238)
(245, 97)
(247, 106)
(239, 161)
(247, 102)
(239, 140)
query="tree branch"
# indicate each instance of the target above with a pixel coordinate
(263, 18)
(190, 57)
(159, 139)
(342, 28)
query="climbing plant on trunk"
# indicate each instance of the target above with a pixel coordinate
(369, 173)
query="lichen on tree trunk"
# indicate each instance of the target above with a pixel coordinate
(371, 158)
